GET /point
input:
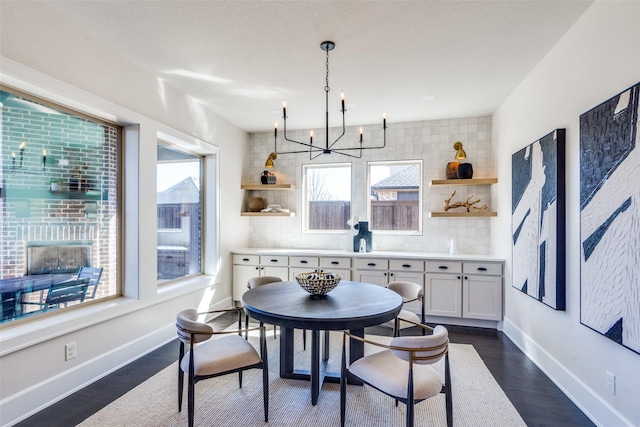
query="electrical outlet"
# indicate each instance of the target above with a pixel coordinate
(70, 351)
(611, 383)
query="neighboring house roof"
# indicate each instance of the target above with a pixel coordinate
(406, 178)
(185, 191)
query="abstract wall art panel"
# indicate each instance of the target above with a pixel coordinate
(610, 219)
(537, 219)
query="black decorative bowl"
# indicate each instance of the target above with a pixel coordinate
(318, 284)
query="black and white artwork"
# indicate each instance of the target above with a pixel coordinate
(537, 219)
(610, 219)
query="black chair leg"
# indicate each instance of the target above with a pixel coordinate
(343, 386)
(448, 391)
(304, 339)
(180, 377)
(240, 379)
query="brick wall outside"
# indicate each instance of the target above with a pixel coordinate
(82, 155)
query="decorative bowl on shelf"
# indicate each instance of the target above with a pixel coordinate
(318, 284)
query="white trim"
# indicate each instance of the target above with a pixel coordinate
(586, 399)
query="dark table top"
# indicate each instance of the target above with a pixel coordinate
(351, 305)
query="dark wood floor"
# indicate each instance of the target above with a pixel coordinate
(537, 399)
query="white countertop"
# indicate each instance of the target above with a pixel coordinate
(375, 254)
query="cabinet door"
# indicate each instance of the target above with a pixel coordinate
(375, 277)
(281, 272)
(443, 294)
(482, 297)
(241, 275)
(408, 276)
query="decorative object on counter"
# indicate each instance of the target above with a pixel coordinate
(267, 178)
(317, 150)
(318, 284)
(468, 204)
(256, 204)
(453, 247)
(270, 159)
(363, 234)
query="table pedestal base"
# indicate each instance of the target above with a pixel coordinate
(318, 374)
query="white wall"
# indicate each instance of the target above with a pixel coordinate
(44, 56)
(596, 59)
(430, 141)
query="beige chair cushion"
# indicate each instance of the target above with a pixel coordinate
(188, 319)
(386, 372)
(407, 290)
(254, 282)
(220, 355)
(439, 337)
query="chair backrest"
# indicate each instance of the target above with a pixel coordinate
(407, 290)
(427, 349)
(188, 326)
(93, 274)
(65, 292)
(262, 280)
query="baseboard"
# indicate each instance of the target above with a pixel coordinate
(590, 403)
(21, 406)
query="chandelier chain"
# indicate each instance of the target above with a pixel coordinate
(327, 88)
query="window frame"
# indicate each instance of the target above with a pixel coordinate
(391, 163)
(305, 201)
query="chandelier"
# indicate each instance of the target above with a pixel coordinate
(328, 148)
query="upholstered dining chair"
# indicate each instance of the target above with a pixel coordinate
(402, 371)
(254, 282)
(209, 358)
(409, 292)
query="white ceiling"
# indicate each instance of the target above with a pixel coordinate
(242, 58)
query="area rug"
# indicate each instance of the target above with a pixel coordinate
(478, 400)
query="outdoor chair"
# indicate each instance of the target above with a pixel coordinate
(61, 294)
(93, 274)
(402, 371)
(209, 358)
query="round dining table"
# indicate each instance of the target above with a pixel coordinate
(350, 306)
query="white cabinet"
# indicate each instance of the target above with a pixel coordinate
(302, 264)
(443, 288)
(372, 270)
(482, 291)
(340, 265)
(470, 290)
(247, 266)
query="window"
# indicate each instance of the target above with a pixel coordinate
(59, 202)
(179, 176)
(395, 196)
(327, 196)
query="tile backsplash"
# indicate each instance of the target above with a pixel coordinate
(430, 141)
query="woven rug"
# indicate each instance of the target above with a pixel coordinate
(478, 400)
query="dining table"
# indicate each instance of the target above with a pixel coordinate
(13, 290)
(350, 306)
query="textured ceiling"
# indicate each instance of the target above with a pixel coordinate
(242, 58)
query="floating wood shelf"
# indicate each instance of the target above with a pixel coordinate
(268, 214)
(266, 187)
(462, 214)
(471, 181)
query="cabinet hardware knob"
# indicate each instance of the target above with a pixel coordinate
(458, 277)
(482, 269)
(334, 263)
(372, 264)
(303, 261)
(466, 278)
(406, 265)
(443, 267)
(257, 268)
(391, 274)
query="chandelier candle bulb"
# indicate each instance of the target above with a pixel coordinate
(44, 157)
(284, 109)
(360, 134)
(342, 101)
(275, 130)
(384, 120)
(311, 137)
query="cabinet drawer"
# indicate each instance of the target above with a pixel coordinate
(246, 259)
(406, 265)
(274, 260)
(443, 266)
(491, 269)
(329, 263)
(371, 264)
(303, 261)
